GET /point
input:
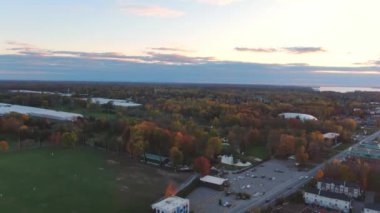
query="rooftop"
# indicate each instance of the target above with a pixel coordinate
(154, 157)
(301, 116)
(116, 102)
(213, 180)
(372, 206)
(328, 194)
(170, 203)
(338, 182)
(38, 112)
(330, 135)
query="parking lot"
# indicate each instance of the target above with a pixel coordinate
(262, 182)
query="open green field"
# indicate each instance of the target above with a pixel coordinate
(80, 180)
(258, 151)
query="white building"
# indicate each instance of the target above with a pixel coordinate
(327, 199)
(340, 187)
(115, 102)
(302, 117)
(172, 205)
(371, 208)
(38, 112)
(213, 182)
(331, 135)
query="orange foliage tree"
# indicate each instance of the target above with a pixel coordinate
(4, 146)
(319, 174)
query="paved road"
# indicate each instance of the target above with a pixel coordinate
(296, 184)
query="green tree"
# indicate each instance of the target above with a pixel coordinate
(176, 156)
(69, 139)
(214, 147)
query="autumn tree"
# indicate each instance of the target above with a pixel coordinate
(22, 129)
(319, 174)
(214, 147)
(349, 124)
(251, 137)
(4, 146)
(137, 144)
(273, 140)
(125, 137)
(286, 146)
(202, 165)
(69, 139)
(301, 155)
(316, 145)
(176, 156)
(185, 143)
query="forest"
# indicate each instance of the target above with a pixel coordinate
(187, 123)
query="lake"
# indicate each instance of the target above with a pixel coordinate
(347, 89)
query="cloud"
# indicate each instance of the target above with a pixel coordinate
(292, 50)
(163, 67)
(169, 49)
(303, 50)
(12, 72)
(260, 50)
(152, 11)
(217, 2)
(176, 58)
(19, 44)
(149, 57)
(369, 63)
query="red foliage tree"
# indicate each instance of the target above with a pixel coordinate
(202, 165)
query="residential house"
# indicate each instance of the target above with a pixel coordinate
(371, 208)
(328, 199)
(341, 187)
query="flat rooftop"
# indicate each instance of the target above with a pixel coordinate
(213, 180)
(38, 112)
(170, 203)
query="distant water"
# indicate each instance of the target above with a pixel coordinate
(347, 89)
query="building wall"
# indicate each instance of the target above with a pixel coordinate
(183, 208)
(341, 189)
(365, 210)
(331, 203)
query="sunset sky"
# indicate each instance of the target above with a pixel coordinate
(290, 42)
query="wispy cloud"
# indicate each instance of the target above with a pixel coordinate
(148, 57)
(369, 63)
(217, 2)
(303, 50)
(169, 49)
(151, 11)
(156, 66)
(13, 72)
(292, 50)
(260, 50)
(176, 58)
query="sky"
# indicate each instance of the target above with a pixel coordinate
(286, 42)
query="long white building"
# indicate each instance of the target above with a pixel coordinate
(328, 199)
(38, 112)
(301, 116)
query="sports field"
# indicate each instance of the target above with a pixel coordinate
(80, 180)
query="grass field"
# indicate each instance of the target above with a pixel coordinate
(79, 180)
(258, 151)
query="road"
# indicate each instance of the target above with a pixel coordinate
(294, 185)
